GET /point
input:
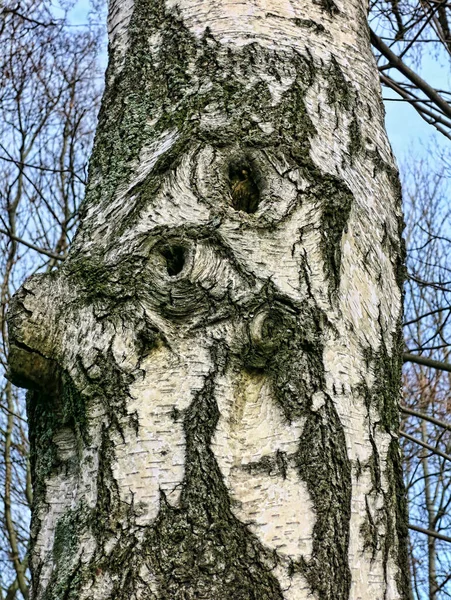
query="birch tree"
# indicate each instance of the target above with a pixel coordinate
(214, 371)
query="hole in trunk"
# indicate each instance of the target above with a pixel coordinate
(175, 259)
(244, 189)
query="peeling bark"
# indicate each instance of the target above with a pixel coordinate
(214, 370)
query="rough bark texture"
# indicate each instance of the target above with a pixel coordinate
(214, 371)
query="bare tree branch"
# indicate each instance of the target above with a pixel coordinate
(424, 445)
(32, 246)
(420, 415)
(430, 532)
(427, 362)
(418, 82)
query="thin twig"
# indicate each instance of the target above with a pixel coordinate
(433, 420)
(435, 534)
(424, 445)
(32, 246)
(427, 362)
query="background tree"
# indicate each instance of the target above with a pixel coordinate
(411, 39)
(48, 102)
(426, 423)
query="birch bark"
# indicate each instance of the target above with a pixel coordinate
(214, 371)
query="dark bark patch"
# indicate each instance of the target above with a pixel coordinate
(336, 200)
(49, 416)
(66, 580)
(385, 530)
(324, 465)
(398, 498)
(385, 392)
(355, 138)
(44, 424)
(339, 90)
(273, 465)
(307, 23)
(328, 6)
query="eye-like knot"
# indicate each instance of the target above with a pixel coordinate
(269, 330)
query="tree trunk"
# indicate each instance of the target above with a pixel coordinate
(215, 369)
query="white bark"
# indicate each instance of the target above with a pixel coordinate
(256, 363)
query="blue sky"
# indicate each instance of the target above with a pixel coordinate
(407, 131)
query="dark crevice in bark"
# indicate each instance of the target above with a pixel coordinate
(323, 463)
